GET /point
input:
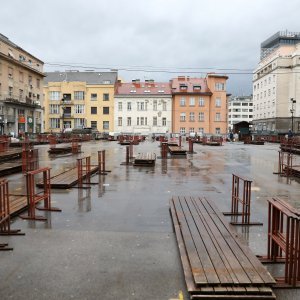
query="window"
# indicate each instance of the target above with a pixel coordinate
(218, 117)
(182, 117)
(10, 72)
(119, 106)
(54, 96)
(154, 121)
(54, 109)
(128, 121)
(129, 106)
(79, 109)
(192, 101)
(38, 83)
(164, 121)
(164, 108)
(219, 86)
(105, 124)
(105, 98)
(20, 94)
(182, 101)
(94, 124)
(192, 130)
(201, 130)
(138, 121)
(155, 105)
(93, 110)
(218, 130)
(192, 116)
(21, 76)
(78, 95)
(106, 110)
(218, 102)
(67, 97)
(182, 130)
(78, 122)
(142, 121)
(93, 97)
(201, 116)
(119, 121)
(30, 80)
(201, 101)
(54, 123)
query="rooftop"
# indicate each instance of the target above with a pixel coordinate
(278, 39)
(88, 77)
(149, 87)
(183, 84)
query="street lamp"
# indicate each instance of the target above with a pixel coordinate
(292, 112)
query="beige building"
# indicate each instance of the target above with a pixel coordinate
(21, 94)
(79, 99)
(276, 85)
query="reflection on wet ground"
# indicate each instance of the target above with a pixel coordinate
(116, 237)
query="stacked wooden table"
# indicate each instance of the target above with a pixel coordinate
(216, 264)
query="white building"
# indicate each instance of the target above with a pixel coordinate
(276, 85)
(240, 109)
(143, 107)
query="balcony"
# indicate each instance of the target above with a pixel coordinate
(19, 100)
(67, 116)
(67, 102)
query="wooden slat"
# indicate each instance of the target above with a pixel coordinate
(191, 287)
(226, 264)
(196, 265)
(248, 254)
(203, 255)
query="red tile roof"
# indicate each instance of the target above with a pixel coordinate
(143, 88)
(188, 85)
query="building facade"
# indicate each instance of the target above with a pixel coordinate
(240, 108)
(276, 85)
(21, 90)
(143, 107)
(79, 99)
(199, 105)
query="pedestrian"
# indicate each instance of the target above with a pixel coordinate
(231, 136)
(290, 134)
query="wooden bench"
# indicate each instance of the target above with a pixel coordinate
(217, 265)
(145, 159)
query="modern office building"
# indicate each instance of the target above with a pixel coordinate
(240, 108)
(276, 85)
(143, 107)
(76, 99)
(21, 90)
(199, 105)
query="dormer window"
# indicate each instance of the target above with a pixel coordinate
(183, 87)
(197, 87)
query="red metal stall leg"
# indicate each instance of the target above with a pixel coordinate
(35, 197)
(241, 196)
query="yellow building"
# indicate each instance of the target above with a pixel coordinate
(79, 99)
(21, 90)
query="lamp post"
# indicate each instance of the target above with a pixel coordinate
(292, 112)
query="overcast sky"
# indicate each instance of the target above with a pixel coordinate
(164, 36)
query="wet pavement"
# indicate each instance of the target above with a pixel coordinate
(115, 240)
